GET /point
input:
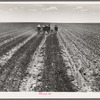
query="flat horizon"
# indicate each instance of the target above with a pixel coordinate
(53, 13)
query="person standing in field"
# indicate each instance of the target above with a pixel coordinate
(39, 28)
(43, 28)
(49, 28)
(56, 29)
(46, 29)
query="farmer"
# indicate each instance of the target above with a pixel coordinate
(52, 31)
(38, 28)
(43, 28)
(56, 29)
(48, 28)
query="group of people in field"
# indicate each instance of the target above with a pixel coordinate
(47, 29)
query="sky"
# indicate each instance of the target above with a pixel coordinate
(50, 12)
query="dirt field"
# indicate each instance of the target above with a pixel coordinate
(68, 61)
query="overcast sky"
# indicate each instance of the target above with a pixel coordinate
(67, 12)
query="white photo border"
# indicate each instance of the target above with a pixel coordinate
(64, 95)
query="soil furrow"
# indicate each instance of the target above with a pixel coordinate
(19, 65)
(11, 38)
(83, 66)
(55, 73)
(6, 47)
(14, 32)
(8, 55)
(34, 70)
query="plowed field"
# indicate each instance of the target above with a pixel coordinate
(68, 61)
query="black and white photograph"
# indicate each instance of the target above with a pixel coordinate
(50, 47)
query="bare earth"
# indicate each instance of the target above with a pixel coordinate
(68, 61)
